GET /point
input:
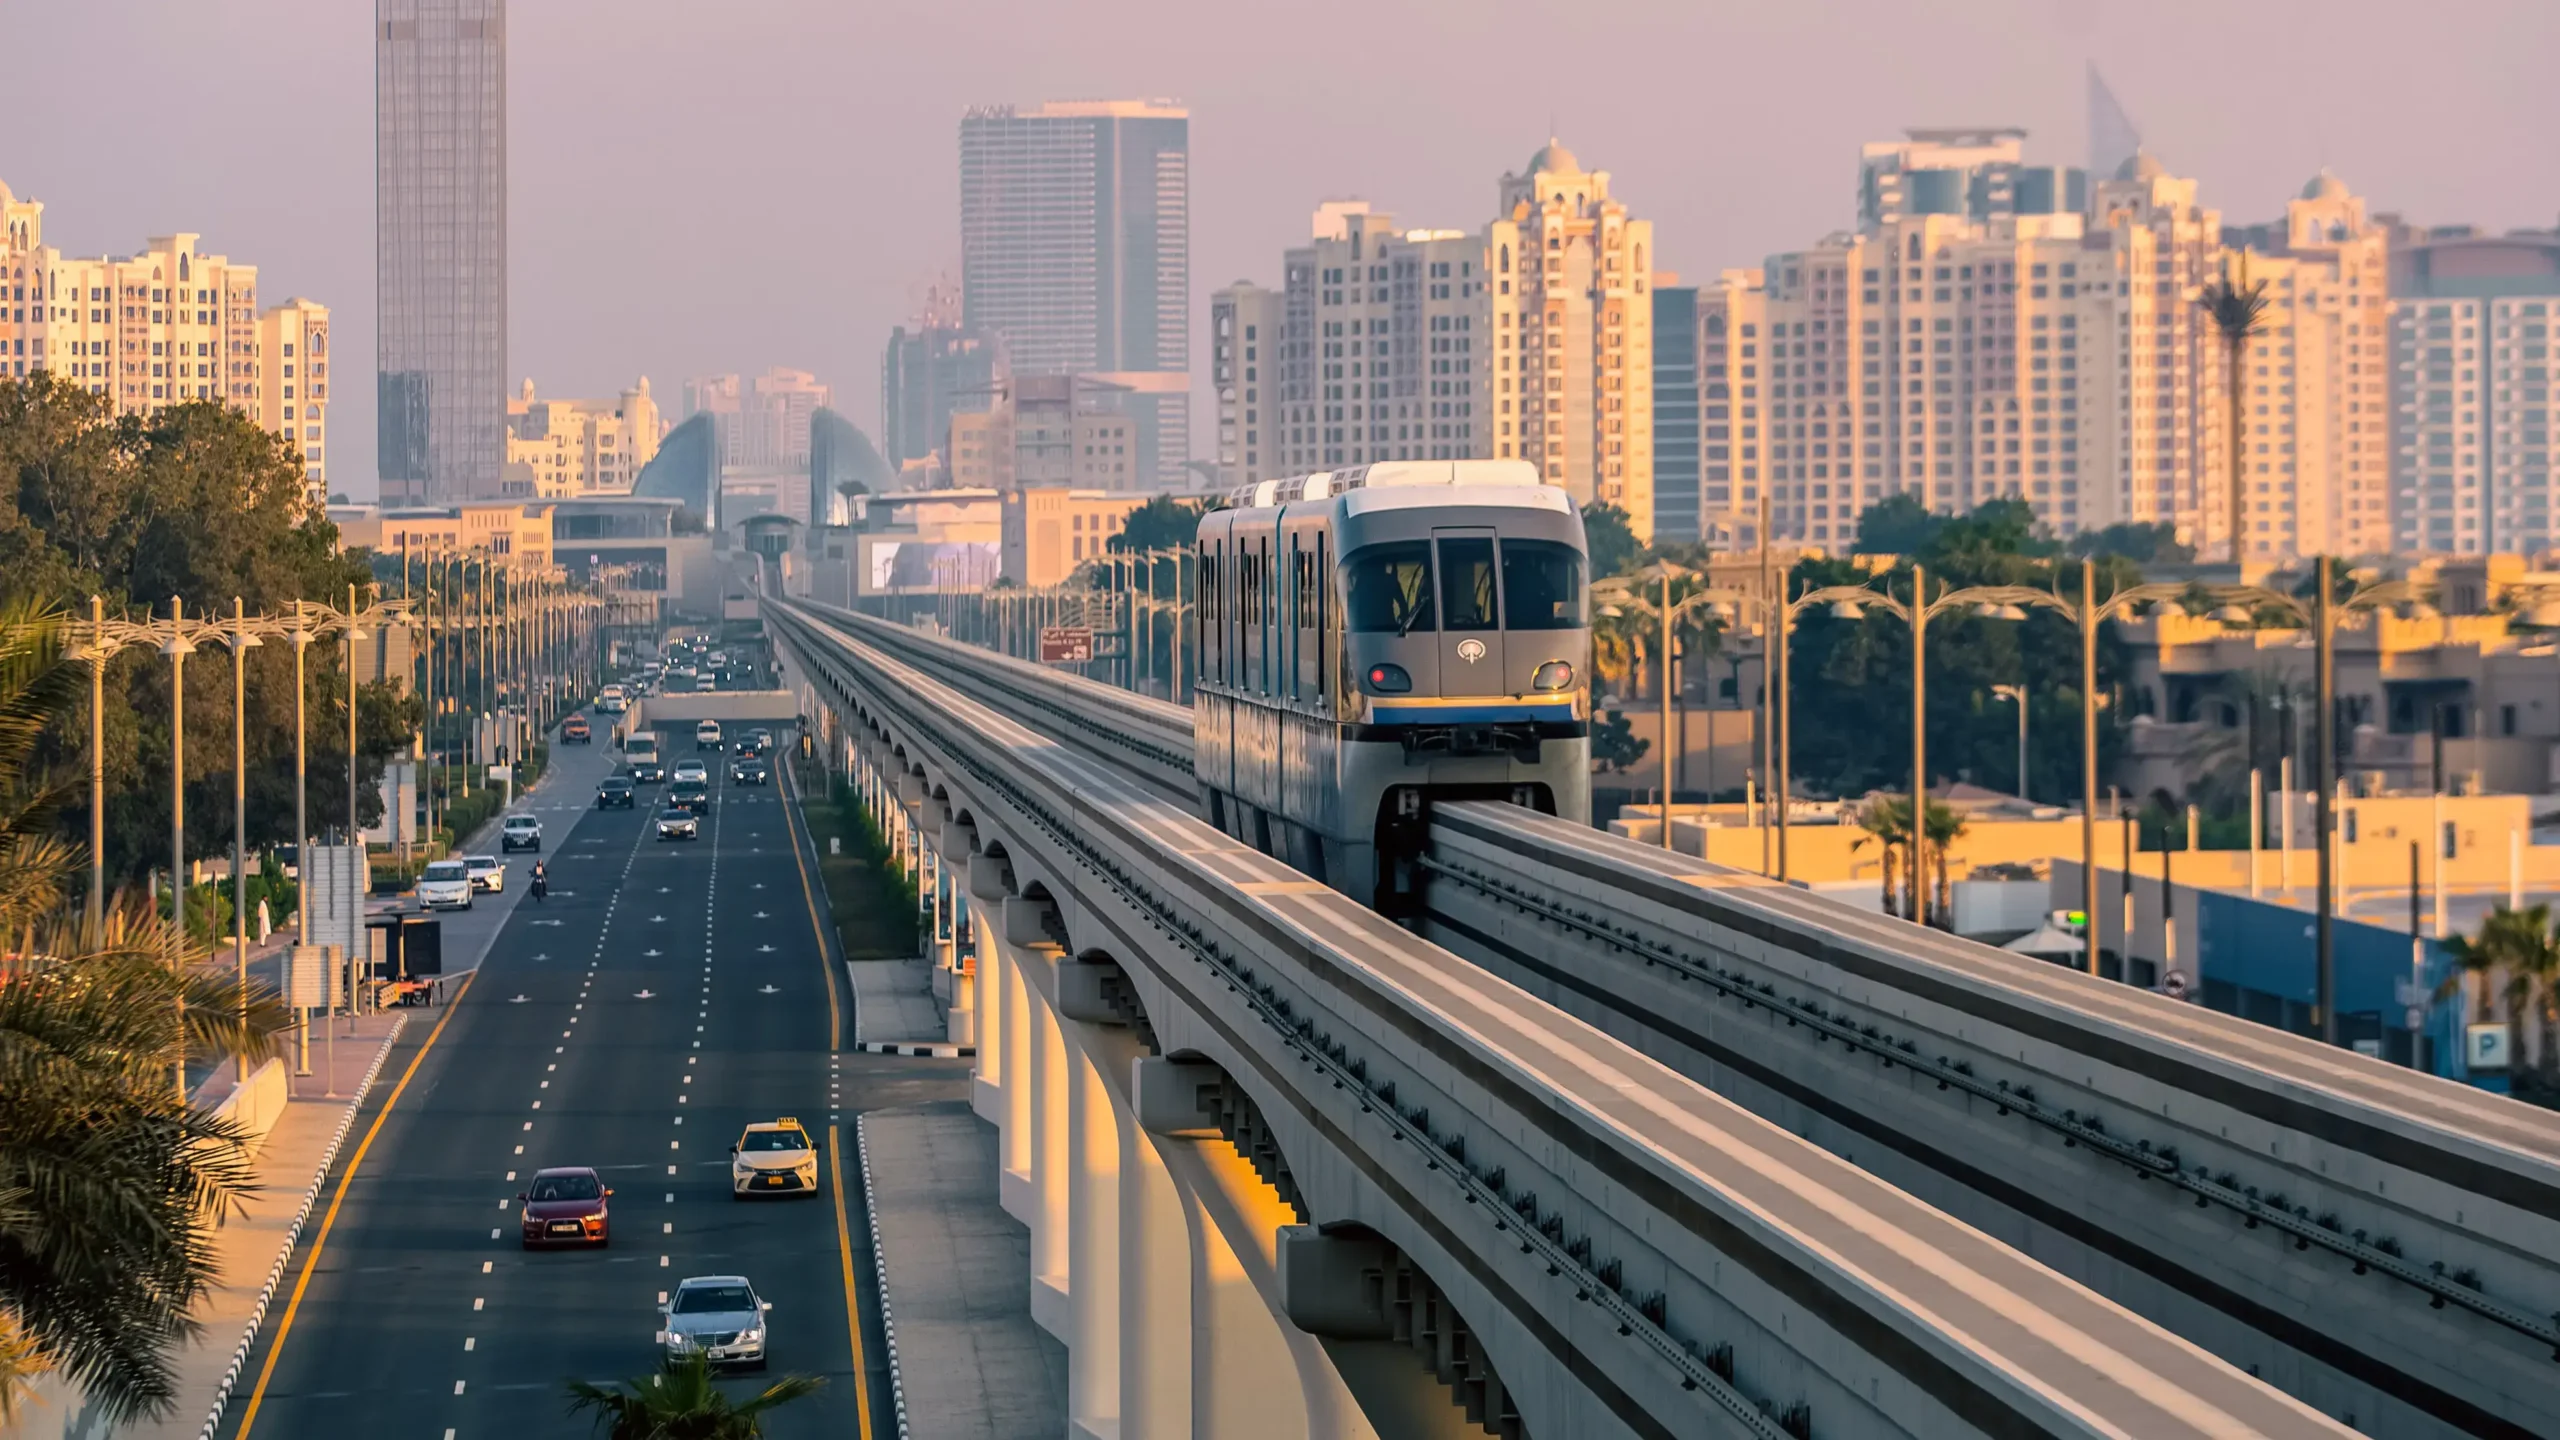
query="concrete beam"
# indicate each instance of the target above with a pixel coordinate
(957, 841)
(990, 879)
(1334, 1286)
(1083, 993)
(1023, 925)
(1166, 1095)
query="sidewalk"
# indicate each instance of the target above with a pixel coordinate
(250, 1244)
(893, 1003)
(955, 1281)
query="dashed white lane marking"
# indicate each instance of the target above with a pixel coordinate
(479, 1302)
(669, 1228)
(662, 1262)
(470, 1343)
(493, 1233)
(457, 1387)
(484, 1267)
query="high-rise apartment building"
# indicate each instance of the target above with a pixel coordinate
(2473, 321)
(1244, 353)
(565, 448)
(2170, 459)
(1968, 171)
(1075, 241)
(1572, 310)
(164, 327)
(763, 420)
(1385, 345)
(1952, 360)
(440, 256)
(928, 372)
(2316, 446)
(1675, 411)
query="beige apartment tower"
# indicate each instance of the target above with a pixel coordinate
(1572, 323)
(1385, 349)
(166, 326)
(1244, 352)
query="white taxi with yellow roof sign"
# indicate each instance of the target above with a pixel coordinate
(773, 1158)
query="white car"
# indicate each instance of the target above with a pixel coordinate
(445, 885)
(706, 736)
(773, 1157)
(487, 872)
(521, 832)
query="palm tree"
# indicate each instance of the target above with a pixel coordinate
(681, 1403)
(2237, 306)
(1941, 829)
(110, 1183)
(1887, 821)
(2517, 955)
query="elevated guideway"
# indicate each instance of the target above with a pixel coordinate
(1413, 1201)
(2382, 1243)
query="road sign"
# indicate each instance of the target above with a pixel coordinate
(2174, 984)
(1066, 644)
(339, 876)
(2485, 1046)
(2416, 1019)
(311, 976)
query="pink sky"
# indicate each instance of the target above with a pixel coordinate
(702, 186)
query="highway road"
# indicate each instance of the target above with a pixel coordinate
(663, 996)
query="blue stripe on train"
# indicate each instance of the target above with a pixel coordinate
(1386, 714)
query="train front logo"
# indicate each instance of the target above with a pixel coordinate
(1471, 651)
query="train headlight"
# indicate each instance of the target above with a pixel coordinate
(1389, 679)
(1554, 675)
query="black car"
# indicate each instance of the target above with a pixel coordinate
(691, 796)
(750, 770)
(648, 772)
(616, 792)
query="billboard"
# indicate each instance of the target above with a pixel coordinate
(894, 565)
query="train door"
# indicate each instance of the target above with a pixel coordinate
(1471, 655)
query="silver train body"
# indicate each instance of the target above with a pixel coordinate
(1374, 639)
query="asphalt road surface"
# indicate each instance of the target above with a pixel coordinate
(665, 995)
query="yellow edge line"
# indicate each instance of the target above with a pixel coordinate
(835, 1133)
(311, 1262)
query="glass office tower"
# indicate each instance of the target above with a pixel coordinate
(440, 248)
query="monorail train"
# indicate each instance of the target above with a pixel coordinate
(1375, 639)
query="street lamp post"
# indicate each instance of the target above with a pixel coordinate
(1621, 594)
(2018, 693)
(242, 638)
(94, 644)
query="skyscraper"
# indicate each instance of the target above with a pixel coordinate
(927, 373)
(1075, 245)
(1675, 412)
(1573, 310)
(1244, 352)
(440, 248)
(2472, 316)
(1384, 345)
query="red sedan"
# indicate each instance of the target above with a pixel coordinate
(565, 1206)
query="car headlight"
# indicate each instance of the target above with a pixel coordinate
(678, 1340)
(752, 1337)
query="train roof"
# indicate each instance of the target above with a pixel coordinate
(1386, 475)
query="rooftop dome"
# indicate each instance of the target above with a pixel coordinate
(1553, 159)
(2140, 166)
(2324, 186)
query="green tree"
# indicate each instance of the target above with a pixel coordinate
(1163, 523)
(1887, 821)
(2516, 956)
(196, 502)
(680, 1402)
(1614, 743)
(1940, 830)
(110, 1182)
(1899, 526)
(2131, 540)
(1850, 678)
(1609, 537)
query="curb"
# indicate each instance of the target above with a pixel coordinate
(293, 1233)
(901, 1047)
(880, 1271)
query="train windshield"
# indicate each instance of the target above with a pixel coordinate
(1541, 585)
(1389, 588)
(1466, 583)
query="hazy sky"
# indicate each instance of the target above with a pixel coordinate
(708, 185)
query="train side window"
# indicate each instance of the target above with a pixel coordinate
(1466, 584)
(1387, 589)
(1542, 585)
(1323, 592)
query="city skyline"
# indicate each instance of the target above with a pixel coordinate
(585, 103)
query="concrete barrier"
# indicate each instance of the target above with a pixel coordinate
(256, 1104)
(729, 707)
